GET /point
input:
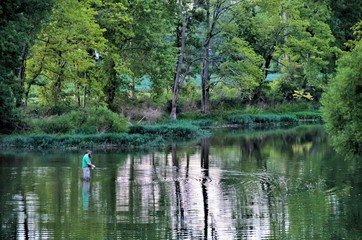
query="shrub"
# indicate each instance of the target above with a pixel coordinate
(342, 103)
(101, 120)
(170, 130)
(93, 120)
(10, 116)
(240, 119)
(57, 124)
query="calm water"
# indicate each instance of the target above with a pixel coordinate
(282, 184)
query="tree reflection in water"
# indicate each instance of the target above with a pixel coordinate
(272, 185)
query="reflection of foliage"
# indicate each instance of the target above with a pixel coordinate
(300, 148)
(307, 184)
(314, 209)
(256, 177)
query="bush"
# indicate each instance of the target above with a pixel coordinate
(10, 116)
(342, 103)
(101, 120)
(171, 130)
(93, 120)
(240, 119)
(58, 124)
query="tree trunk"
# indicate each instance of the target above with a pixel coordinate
(112, 84)
(85, 96)
(218, 9)
(176, 87)
(58, 84)
(21, 73)
(285, 18)
(205, 81)
(205, 75)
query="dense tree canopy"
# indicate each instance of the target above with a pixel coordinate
(175, 55)
(20, 20)
(346, 13)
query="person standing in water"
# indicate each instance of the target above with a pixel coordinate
(87, 165)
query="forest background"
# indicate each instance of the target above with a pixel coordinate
(96, 66)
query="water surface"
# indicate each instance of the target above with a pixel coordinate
(280, 184)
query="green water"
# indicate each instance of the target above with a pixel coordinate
(281, 184)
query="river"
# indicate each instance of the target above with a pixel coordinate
(237, 184)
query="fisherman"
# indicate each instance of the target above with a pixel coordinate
(87, 165)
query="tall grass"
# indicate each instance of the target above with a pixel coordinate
(267, 119)
(138, 137)
(309, 116)
(49, 141)
(262, 114)
(171, 130)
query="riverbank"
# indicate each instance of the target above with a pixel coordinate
(138, 137)
(142, 136)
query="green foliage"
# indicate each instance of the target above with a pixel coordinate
(45, 141)
(292, 37)
(242, 69)
(139, 136)
(19, 22)
(56, 124)
(309, 116)
(140, 39)
(345, 14)
(301, 94)
(293, 107)
(272, 92)
(93, 120)
(342, 103)
(100, 120)
(172, 130)
(61, 63)
(10, 116)
(357, 32)
(243, 119)
(151, 52)
(271, 118)
(263, 119)
(197, 119)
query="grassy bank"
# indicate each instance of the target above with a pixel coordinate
(142, 136)
(138, 137)
(271, 118)
(247, 120)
